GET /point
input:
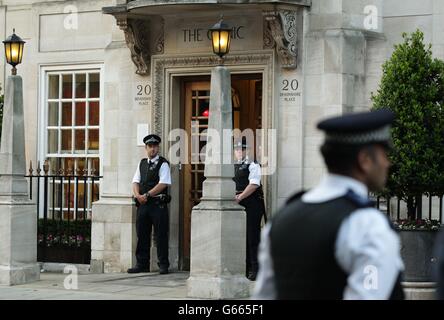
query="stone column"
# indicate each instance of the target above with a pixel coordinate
(218, 225)
(18, 217)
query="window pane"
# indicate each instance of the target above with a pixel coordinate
(94, 85)
(95, 192)
(66, 141)
(53, 141)
(66, 114)
(95, 164)
(81, 165)
(94, 113)
(67, 86)
(53, 114)
(53, 86)
(80, 141)
(93, 144)
(68, 164)
(80, 85)
(81, 197)
(80, 113)
(69, 191)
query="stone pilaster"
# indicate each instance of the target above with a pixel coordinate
(18, 219)
(218, 229)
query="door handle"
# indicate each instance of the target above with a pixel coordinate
(180, 166)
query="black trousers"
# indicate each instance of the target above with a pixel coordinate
(254, 209)
(149, 215)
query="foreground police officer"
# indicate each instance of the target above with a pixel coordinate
(330, 243)
(150, 189)
(249, 194)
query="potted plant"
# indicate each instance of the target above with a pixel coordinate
(61, 242)
(412, 85)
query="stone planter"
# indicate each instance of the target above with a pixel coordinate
(417, 254)
(64, 254)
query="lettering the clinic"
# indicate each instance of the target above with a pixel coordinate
(143, 94)
(198, 35)
(289, 90)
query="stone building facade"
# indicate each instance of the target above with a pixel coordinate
(98, 75)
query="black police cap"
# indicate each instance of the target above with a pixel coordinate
(359, 128)
(152, 139)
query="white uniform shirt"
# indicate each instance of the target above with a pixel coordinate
(366, 247)
(164, 172)
(254, 176)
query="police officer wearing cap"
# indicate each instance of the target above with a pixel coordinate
(330, 242)
(249, 194)
(150, 189)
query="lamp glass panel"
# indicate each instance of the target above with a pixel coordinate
(215, 37)
(13, 52)
(223, 42)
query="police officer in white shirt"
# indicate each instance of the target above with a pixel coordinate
(249, 194)
(330, 242)
(150, 190)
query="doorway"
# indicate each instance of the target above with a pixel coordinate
(194, 104)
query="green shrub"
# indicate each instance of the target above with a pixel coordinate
(412, 85)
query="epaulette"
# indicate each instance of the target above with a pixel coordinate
(359, 201)
(295, 196)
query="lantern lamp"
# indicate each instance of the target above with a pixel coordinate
(14, 51)
(221, 38)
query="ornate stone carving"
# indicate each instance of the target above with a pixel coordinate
(137, 40)
(161, 64)
(160, 40)
(281, 27)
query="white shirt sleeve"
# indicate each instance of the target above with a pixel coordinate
(136, 178)
(368, 250)
(265, 287)
(254, 176)
(164, 174)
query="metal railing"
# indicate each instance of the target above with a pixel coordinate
(428, 207)
(63, 205)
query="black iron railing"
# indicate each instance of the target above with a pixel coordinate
(396, 208)
(63, 202)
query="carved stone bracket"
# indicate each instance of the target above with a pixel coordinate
(280, 32)
(137, 40)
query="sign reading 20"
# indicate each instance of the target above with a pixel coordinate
(143, 90)
(290, 85)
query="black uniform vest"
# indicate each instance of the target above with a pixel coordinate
(241, 173)
(302, 238)
(149, 175)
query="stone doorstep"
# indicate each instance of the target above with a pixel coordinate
(60, 267)
(419, 290)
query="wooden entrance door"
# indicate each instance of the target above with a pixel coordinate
(247, 106)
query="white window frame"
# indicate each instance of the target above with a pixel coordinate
(42, 145)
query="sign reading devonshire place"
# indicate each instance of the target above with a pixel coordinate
(193, 35)
(142, 94)
(290, 90)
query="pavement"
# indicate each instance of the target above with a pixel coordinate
(108, 286)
